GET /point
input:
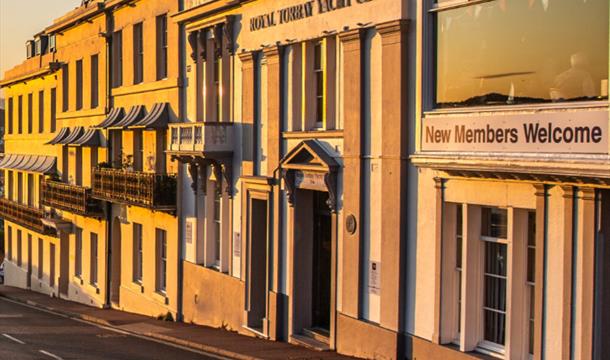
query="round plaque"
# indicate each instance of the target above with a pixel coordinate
(351, 224)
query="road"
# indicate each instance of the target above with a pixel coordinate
(27, 333)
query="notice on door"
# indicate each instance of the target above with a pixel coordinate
(375, 278)
(584, 132)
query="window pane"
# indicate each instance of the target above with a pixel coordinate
(522, 52)
(494, 222)
(495, 292)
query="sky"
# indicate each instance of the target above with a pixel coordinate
(20, 20)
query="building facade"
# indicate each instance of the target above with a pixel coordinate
(86, 159)
(382, 178)
(283, 99)
(513, 200)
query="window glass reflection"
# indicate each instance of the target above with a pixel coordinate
(524, 51)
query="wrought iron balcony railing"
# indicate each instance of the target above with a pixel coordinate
(24, 215)
(149, 190)
(201, 137)
(72, 198)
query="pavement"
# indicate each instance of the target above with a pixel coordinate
(207, 342)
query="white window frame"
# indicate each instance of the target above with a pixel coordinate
(469, 337)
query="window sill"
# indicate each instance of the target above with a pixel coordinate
(160, 297)
(137, 286)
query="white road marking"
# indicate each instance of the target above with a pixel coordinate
(51, 355)
(119, 331)
(10, 316)
(14, 339)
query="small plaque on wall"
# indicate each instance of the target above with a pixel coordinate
(375, 277)
(237, 244)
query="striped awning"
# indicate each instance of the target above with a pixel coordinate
(74, 134)
(115, 115)
(30, 163)
(62, 134)
(135, 114)
(91, 138)
(157, 117)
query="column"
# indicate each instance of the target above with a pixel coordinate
(274, 134)
(394, 170)
(558, 286)
(353, 166)
(585, 275)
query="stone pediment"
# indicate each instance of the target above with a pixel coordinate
(309, 155)
(310, 166)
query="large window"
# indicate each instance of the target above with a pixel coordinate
(53, 109)
(20, 115)
(531, 276)
(19, 248)
(40, 258)
(94, 259)
(161, 240)
(65, 85)
(138, 54)
(30, 112)
(519, 52)
(41, 111)
(318, 73)
(95, 81)
(161, 46)
(10, 115)
(79, 84)
(78, 246)
(217, 226)
(138, 257)
(117, 59)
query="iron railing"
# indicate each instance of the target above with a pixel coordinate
(149, 190)
(72, 198)
(24, 215)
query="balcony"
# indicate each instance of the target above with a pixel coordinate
(72, 198)
(148, 190)
(25, 216)
(201, 137)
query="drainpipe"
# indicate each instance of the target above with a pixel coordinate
(108, 36)
(179, 190)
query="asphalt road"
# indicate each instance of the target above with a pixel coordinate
(27, 333)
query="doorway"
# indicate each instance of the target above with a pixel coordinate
(321, 263)
(258, 265)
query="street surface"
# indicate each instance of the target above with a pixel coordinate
(27, 333)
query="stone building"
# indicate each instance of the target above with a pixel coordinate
(514, 175)
(284, 100)
(90, 203)
(382, 178)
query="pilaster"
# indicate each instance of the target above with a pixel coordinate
(352, 104)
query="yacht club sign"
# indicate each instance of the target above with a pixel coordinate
(299, 11)
(583, 132)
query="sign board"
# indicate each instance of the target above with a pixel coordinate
(583, 132)
(309, 180)
(299, 11)
(236, 244)
(190, 227)
(375, 277)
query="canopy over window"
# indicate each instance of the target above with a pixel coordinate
(30, 163)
